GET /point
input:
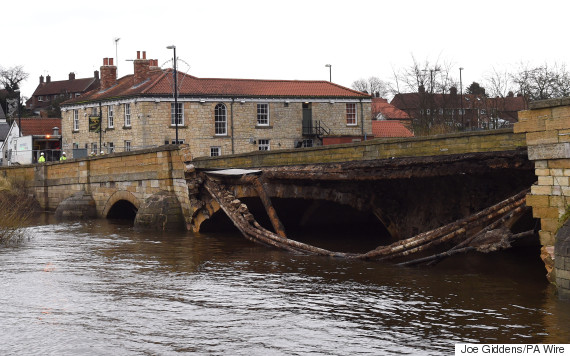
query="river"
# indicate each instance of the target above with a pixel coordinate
(101, 288)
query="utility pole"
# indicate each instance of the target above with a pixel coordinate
(173, 47)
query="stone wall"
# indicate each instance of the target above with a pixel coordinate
(151, 124)
(547, 129)
(134, 176)
(486, 141)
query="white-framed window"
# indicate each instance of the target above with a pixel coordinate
(351, 114)
(110, 117)
(220, 120)
(263, 145)
(127, 115)
(263, 114)
(40, 98)
(215, 151)
(75, 120)
(180, 115)
(127, 146)
(77, 94)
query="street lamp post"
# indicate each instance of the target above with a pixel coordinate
(173, 47)
(461, 96)
(330, 71)
(117, 53)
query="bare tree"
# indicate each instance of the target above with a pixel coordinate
(542, 82)
(10, 78)
(498, 83)
(372, 85)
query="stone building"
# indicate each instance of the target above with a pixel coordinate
(215, 116)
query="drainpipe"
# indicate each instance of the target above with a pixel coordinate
(100, 128)
(362, 119)
(232, 123)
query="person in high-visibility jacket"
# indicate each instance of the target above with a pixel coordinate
(42, 158)
(63, 157)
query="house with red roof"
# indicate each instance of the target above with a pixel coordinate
(213, 116)
(382, 110)
(389, 128)
(49, 92)
(38, 135)
(468, 111)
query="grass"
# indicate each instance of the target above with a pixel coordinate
(16, 209)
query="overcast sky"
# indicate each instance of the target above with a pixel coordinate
(282, 39)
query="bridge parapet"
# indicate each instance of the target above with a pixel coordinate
(459, 143)
(547, 129)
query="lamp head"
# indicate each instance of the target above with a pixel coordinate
(171, 47)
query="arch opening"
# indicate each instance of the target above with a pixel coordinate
(320, 223)
(123, 210)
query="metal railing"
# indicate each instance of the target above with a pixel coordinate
(316, 128)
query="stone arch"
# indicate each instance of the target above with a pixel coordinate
(117, 196)
(202, 214)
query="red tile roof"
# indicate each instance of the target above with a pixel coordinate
(36, 126)
(161, 84)
(384, 128)
(388, 111)
(65, 86)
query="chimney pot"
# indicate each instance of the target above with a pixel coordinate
(105, 61)
(144, 54)
(48, 79)
(111, 61)
(41, 79)
(96, 75)
(138, 54)
(71, 76)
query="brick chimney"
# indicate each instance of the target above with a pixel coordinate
(96, 75)
(71, 76)
(154, 64)
(108, 74)
(41, 79)
(48, 79)
(453, 91)
(142, 68)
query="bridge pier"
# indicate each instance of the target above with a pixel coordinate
(547, 129)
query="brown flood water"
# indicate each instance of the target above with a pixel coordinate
(101, 288)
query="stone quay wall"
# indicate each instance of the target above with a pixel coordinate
(547, 129)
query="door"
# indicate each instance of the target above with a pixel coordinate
(307, 119)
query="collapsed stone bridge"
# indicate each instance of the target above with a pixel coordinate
(406, 196)
(405, 186)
